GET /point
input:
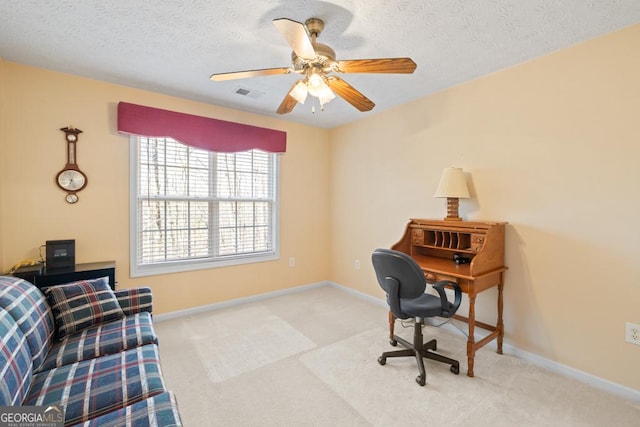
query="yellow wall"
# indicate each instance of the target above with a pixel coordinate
(36, 103)
(552, 147)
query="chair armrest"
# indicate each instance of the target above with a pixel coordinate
(448, 309)
(134, 300)
(392, 287)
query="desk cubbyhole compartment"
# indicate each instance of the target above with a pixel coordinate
(464, 241)
(439, 239)
(446, 239)
(429, 237)
(453, 244)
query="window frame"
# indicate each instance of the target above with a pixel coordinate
(167, 267)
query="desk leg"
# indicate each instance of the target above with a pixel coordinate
(471, 344)
(392, 324)
(500, 325)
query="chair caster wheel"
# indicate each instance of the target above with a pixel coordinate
(420, 380)
(455, 369)
(393, 342)
(382, 360)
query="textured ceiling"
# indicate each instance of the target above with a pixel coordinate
(173, 46)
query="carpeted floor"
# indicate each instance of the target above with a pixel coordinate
(310, 359)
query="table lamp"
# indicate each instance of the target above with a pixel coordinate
(453, 186)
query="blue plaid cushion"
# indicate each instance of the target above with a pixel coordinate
(107, 338)
(82, 304)
(98, 386)
(134, 300)
(160, 410)
(29, 307)
(15, 362)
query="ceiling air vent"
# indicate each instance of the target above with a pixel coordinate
(251, 93)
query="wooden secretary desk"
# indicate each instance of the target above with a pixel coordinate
(433, 243)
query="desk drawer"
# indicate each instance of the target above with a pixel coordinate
(436, 277)
(477, 242)
(417, 237)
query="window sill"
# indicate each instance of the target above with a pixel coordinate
(193, 265)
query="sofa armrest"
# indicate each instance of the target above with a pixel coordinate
(134, 300)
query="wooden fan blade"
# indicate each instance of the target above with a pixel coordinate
(384, 65)
(287, 104)
(296, 35)
(350, 94)
(249, 73)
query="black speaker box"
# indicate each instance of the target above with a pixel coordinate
(61, 254)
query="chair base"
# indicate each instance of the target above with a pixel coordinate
(419, 350)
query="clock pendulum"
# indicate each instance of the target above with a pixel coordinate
(71, 179)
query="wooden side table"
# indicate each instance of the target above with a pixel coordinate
(86, 271)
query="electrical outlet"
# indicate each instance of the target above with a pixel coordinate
(292, 262)
(357, 264)
(632, 334)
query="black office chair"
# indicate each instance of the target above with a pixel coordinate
(404, 282)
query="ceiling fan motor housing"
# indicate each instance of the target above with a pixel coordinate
(325, 59)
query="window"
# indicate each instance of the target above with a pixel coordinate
(193, 209)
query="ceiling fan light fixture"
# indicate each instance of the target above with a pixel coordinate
(318, 87)
(326, 96)
(299, 91)
(315, 85)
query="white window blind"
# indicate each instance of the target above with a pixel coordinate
(198, 209)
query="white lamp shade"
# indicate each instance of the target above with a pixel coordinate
(327, 96)
(299, 91)
(452, 184)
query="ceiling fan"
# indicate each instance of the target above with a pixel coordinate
(316, 62)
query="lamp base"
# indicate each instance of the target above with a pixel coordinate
(452, 209)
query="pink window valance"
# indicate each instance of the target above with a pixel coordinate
(196, 131)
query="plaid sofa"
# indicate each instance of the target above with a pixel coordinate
(103, 374)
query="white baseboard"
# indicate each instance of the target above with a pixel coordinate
(233, 302)
(592, 380)
(608, 386)
(362, 295)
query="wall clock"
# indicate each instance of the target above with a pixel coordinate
(71, 179)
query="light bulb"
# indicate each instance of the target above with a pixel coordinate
(316, 85)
